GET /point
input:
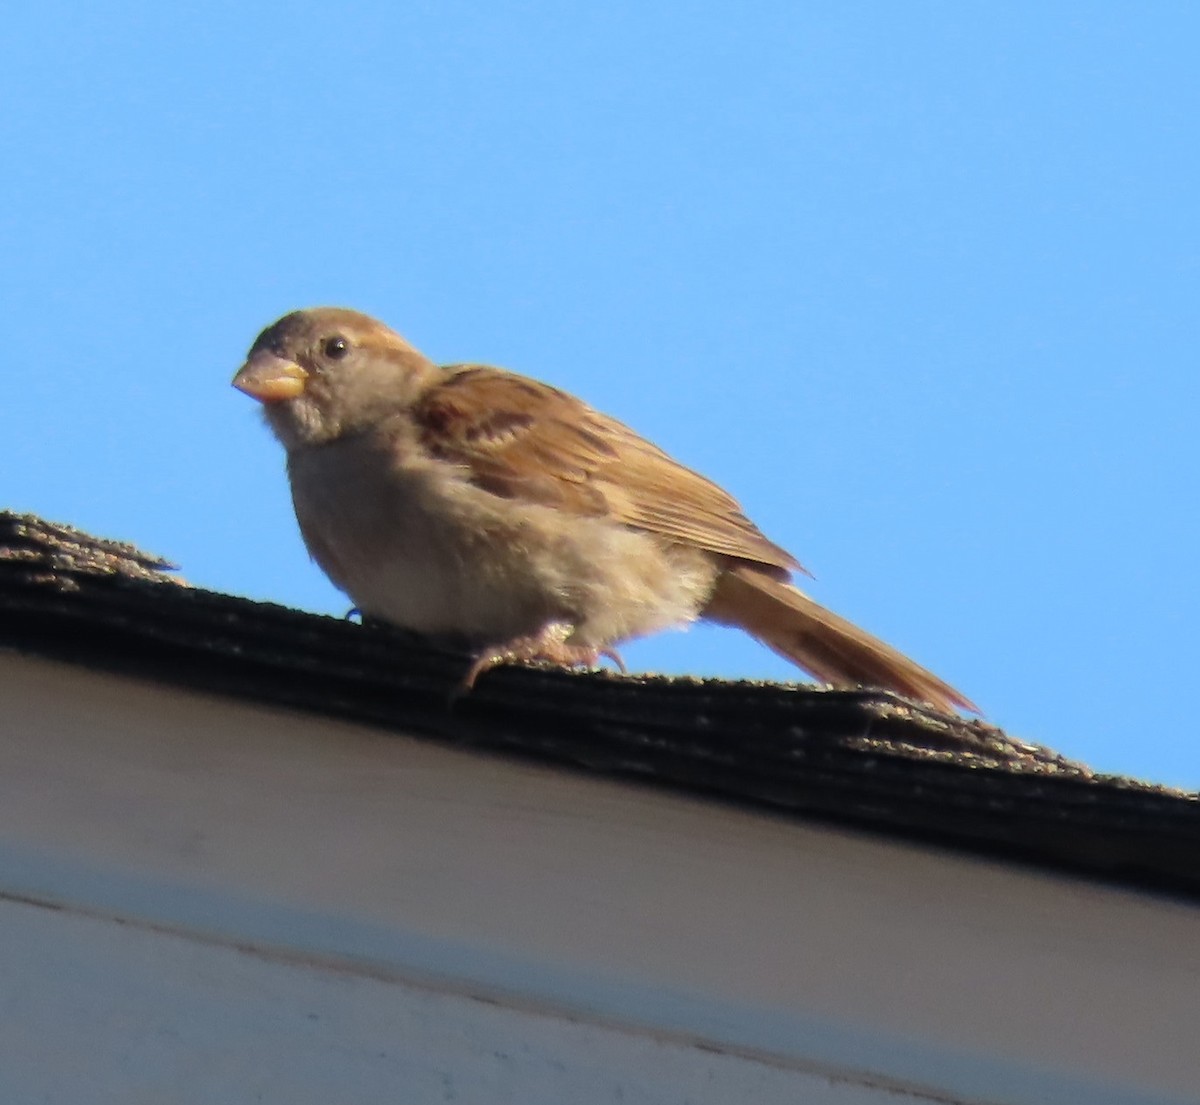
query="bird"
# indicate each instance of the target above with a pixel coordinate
(466, 502)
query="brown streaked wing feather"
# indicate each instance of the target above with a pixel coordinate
(521, 439)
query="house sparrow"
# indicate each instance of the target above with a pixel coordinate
(469, 502)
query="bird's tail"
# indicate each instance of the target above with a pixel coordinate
(829, 647)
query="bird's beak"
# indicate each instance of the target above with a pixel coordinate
(270, 379)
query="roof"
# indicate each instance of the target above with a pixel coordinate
(867, 759)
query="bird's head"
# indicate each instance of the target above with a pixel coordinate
(326, 372)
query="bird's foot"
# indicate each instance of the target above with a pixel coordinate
(549, 647)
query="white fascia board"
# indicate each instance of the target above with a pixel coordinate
(833, 955)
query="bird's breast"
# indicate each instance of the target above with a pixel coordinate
(412, 541)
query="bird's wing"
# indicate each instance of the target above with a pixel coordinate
(521, 439)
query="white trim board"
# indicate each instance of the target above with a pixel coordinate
(895, 968)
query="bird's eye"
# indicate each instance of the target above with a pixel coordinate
(336, 347)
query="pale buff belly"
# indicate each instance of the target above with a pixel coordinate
(439, 556)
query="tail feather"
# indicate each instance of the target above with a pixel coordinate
(827, 646)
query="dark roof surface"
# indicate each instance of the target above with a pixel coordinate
(862, 758)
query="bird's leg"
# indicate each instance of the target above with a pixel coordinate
(549, 646)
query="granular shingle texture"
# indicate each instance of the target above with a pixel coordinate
(861, 758)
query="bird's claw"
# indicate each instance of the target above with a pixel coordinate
(549, 647)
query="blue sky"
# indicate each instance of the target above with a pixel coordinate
(917, 282)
